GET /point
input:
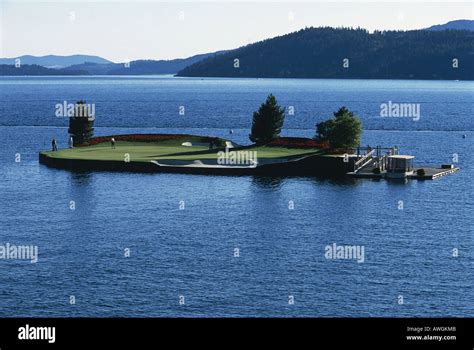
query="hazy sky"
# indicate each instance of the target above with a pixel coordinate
(128, 30)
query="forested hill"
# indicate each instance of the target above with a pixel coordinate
(321, 53)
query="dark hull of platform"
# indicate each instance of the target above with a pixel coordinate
(306, 166)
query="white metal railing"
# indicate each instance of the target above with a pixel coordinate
(364, 160)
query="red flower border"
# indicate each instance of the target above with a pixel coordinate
(298, 142)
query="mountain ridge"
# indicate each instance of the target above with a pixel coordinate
(142, 67)
(459, 24)
(55, 61)
(137, 67)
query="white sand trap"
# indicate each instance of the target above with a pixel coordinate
(212, 164)
(197, 164)
(190, 144)
(229, 144)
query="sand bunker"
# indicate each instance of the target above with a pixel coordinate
(208, 163)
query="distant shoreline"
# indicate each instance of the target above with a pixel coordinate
(211, 78)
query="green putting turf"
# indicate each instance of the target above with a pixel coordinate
(138, 151)
(171, 149)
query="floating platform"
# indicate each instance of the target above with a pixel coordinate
(306, 165)
(189, 154)
(431, 173)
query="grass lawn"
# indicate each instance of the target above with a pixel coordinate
(139, 151)
(170, 149)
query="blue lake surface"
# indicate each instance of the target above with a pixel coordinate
(190, 252)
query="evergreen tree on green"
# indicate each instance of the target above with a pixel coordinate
(81, 124)
(342, 131)
(267, 121)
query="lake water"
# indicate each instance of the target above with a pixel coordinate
(408, 230)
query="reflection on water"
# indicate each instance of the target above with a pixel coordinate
(268, 182)
(336, 181)
(80, 178)
(81, 192)
(277, 182)
(401, 181)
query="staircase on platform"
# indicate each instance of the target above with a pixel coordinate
(374, 158)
